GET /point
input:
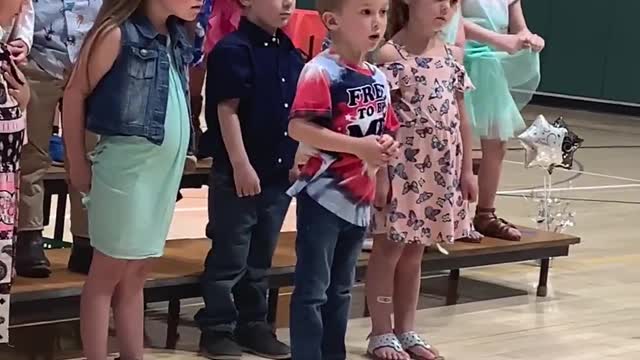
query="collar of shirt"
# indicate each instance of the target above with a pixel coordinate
(147, 30)
(259, 37)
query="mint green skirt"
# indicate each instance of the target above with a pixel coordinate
(135, 183)
(504, 85)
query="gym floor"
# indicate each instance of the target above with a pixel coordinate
(590, 306)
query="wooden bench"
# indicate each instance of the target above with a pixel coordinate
(176, 275)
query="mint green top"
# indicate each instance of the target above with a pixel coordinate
(135, 183)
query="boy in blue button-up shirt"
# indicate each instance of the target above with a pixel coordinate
(251, 83)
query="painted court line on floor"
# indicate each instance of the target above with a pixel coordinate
(574, 188)
(585, 173)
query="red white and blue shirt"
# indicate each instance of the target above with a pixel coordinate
(352, 100)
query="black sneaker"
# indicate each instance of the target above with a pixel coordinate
(260, 339)
(219, 346)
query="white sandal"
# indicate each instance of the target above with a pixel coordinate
(383, 341)
(410, 340)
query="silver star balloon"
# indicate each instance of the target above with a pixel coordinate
(543, 144)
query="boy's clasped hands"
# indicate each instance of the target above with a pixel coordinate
(376, 151)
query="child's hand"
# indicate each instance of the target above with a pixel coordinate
(18, 87)
(512, 43)
(371, 150)
(80, 176)
(469, 186)
(246, 181)
(294, 173)
(390, 145)
(535, 42)
(19, 51)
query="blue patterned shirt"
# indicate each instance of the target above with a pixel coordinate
(59, 31)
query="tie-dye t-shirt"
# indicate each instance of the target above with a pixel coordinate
(352, 100)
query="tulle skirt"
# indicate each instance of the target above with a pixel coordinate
(504, 85)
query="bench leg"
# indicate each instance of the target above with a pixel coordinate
(61, 209)
(452, 287)
(46, 207)
(544, 276)
(173, 319)
(272, 307)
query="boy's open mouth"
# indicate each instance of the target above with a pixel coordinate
(374, 37)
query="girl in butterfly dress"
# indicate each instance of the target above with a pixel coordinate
(424, 193)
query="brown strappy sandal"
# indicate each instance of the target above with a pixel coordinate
(490, 225)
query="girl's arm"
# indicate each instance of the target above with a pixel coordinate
(518, 25)
(510, 43)
(89, 70)
(465, 125)
(517, 22)
(21, 38)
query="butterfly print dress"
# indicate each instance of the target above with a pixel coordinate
(426, 199)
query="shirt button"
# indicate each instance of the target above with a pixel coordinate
(286, 133)
(143, 52)
(273, 39)
(284, 80)
(279, 161)
(266, 44)
(286, 105)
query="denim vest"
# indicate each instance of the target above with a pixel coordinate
(131, 99)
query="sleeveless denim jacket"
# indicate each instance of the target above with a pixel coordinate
(131, 99)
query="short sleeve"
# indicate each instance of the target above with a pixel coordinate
(313, 96)
(394, 72)
(462, 82)
(230, 69)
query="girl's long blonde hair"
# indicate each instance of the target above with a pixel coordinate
(112, 14)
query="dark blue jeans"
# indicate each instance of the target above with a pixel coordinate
(245, 233)
(327, 250)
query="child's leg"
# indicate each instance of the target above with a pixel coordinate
(380, 296)
(407, 287)
(318, 232)
(493, 153)
(250, 294)
(335, 313)
(406, 295)
(128, 310)
(95, 304)
(231, 223)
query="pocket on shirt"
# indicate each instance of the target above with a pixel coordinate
(142, 62)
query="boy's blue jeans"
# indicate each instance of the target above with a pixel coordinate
(245, 233)
(327, 250)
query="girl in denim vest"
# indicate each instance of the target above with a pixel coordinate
(129, 86)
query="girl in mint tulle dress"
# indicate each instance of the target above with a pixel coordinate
(502, 60)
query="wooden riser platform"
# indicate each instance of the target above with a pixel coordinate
(176, 275)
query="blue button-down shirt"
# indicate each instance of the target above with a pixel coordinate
(59, 31)
(261, 70)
